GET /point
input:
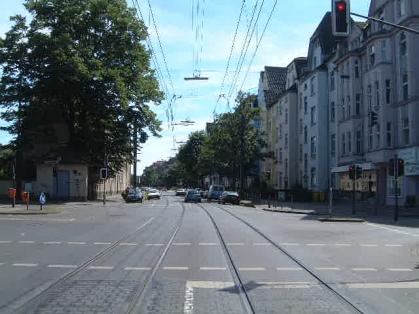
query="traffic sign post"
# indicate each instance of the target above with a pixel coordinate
(42, 199)
(396, 170)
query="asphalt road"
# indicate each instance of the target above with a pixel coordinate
(165, 256)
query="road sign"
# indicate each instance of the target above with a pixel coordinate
(42, 199)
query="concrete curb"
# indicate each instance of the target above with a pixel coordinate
(247, 204)
(343, 219)
(292, 212)
(45, 211)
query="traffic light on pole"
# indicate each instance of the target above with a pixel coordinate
(341, 17)
(400, 167)
(391, 168)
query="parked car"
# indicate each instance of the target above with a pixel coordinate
(204, 194)
(134, 195)
(193, 196)
(180, 192)
(215, 192)
(153, 194)
(230, 197)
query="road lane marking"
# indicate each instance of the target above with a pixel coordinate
(26, 242)
(102, 243)
(101, 267)
(5, 242)
(388, 285)
(262, 244)
(188, 304)
(212, 268)
(52, 242)
(182, 243)
(76, 243)
(393, 245)
(235, 244)
(290, 244)
(128, 244)
(368, 245)
(392, 229)
(283, 285)
(326, 268)
(364, 269)
(288, 268)
(315, 244)
(207, 243)
(343, 244)
(400, 269)
(209, 284)
(252, 268)
(62, 266)
(137, 268)
(154, 244)
(175, 268)
(24, 265)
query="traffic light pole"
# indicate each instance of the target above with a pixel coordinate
(353, 196)
(407, 29)
(396, 192)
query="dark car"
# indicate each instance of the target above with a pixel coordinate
(134, 195)
(193, 196)
(230, 197)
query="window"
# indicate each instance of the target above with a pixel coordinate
(343, 112)
(280, 131)
(280, 154)
(301, 126)
(313, 181)
(369, 97)
(406, 131)
(312, 85)
(305, 164)
(343, 153)
(333, 145)
(280, 109)
(313, 146)
(356, 69)
(388, 92)
(358, 142)
(349, 139)
(301, 101)
(378, 136)
(305, 135)
(348, 107)
(313, 118)
(401, 7)
(276, 135)
(332, 111)
(372, 55)
(300, 155)
(384, 50)
(305, 105)
(286, 115)
(279, 183)
(403, 45)
(332, 80)
(389, 135)
(358, 104)
(405, 86)
(286, 140)
(377, 93)
(305, 86)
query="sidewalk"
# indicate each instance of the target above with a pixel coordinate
(34, 209)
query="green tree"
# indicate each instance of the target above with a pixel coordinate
(81, 65)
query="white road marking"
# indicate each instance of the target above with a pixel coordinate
(343, 244)
(62, 266)
(326, 268)
(288, 268)
(290, 244)
(175, 268)
(209, 284)
(188, 305)
(393, 245)
(284, 285)
(368, 245)
(315, 244)
(24, 265)
(26, 242)
(5, 242)
(235, 244)
(76, 243)
(364, 269)
(102, 243)
(252, 268)
(207, 243)
(392, 229)
(154, 244)
(262, 244)
(389, 285)
(51, 242)
(137, 268)
(212, 268)
(101, 267)
(128, 244)
(400, 269)
(182, 243)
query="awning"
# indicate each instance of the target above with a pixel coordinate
(365, 167)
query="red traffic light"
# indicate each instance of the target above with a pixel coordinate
(341, 6)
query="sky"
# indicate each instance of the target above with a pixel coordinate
(286, 37)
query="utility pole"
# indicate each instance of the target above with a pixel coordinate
(242, 126)
(105, 164)
(396, 192)
(135, 139)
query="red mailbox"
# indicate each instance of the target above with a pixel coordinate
(12, 193)
(25, 197)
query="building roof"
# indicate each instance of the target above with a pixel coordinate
(300, 65)
(276, 81)
(325, 35)
(375, 5)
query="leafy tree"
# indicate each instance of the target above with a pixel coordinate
(76, 79)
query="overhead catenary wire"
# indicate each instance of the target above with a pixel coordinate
(259, 42)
